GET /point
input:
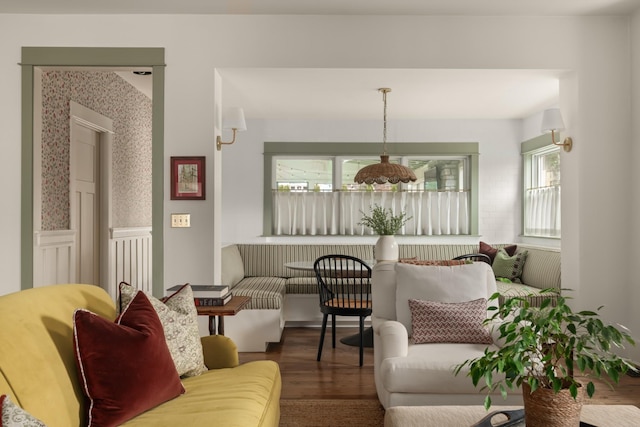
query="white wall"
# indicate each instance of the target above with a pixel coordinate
(634, 226)
(598, 218)
(499, 141)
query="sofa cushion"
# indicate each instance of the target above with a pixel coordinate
(233, 267)
(490, 251)
(11, 415)
(247, 395)
(179, 319)
(458, 283)
(509, 267)
(434, 322)
(430, 369)
(125, 367)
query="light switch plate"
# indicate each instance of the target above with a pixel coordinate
(180, 220)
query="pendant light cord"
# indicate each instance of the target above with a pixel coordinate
(384, 91)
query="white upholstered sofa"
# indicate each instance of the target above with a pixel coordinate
(408, 374)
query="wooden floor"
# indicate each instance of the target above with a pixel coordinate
(338, 375)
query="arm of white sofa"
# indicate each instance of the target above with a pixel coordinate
(392, 338)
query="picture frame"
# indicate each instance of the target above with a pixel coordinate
(188, 178)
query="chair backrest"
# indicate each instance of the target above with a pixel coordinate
(393, 283)
(343, 282)
(475, 257)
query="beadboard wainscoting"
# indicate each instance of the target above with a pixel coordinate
(130, 258)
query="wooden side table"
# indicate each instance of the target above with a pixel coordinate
(235, 304)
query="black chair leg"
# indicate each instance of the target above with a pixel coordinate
(333, 330)
(324, 328)
(361, 340)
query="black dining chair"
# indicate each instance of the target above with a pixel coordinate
(344, 286)
(475, 257)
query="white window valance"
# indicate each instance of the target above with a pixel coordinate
(542, 213)
(312, 213)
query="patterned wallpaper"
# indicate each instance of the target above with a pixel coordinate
(110, 95)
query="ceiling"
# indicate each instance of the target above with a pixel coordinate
(352, 93)
(325, 7)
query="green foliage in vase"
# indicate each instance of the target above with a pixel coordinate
(383, 221)
(544, 346)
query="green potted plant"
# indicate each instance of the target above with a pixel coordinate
(541, 349)
(383, 221)
(385, 224)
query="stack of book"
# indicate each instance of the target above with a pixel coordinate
(208, 295)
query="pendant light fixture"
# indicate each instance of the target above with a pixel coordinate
(384, 171)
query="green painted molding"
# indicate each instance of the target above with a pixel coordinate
(369, 149)
(334, 149)
(26, 202)
(93, 56)
(534, 144)
(98, 57)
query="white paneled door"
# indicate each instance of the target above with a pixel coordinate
(86, 165)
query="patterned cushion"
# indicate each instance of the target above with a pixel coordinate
(233, 271)
(124, 366)
(439, 322)
(535, 296)
(179, 320)
(267, 293)
(458, 283)
(15, 416)
(491, 252)
(302, 285)
(509, 267)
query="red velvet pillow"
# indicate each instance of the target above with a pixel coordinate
(489, 250)
(124, 367)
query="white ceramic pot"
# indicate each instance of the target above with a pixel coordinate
(386, 249)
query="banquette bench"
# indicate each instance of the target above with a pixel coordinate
(280, 294)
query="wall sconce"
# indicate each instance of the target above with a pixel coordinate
(234, 120)
(552, 122)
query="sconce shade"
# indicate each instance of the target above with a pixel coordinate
(234, 119)
(380, 173)
(552, 120)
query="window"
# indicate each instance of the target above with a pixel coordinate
(542, 193)
(311, 193)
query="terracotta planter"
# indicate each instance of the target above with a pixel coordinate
(386, 249)
(544, 408)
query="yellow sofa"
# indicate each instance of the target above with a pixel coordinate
(38, 368)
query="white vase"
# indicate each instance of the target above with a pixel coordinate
(386, 249)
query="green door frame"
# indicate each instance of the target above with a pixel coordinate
(33, 57)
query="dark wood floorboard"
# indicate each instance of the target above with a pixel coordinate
(338, 375)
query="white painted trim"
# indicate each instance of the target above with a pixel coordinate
(52, 257)
(83, 116)
(121, 233)
(130, 257)
(89, 118)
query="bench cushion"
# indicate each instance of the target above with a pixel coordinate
(510, 290)
(302, 285)
(233, 267)
(267, 293)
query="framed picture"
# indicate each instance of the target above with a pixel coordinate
(187, 178)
